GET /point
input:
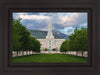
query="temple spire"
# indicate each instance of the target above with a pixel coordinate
(50, 19)
(49, 34)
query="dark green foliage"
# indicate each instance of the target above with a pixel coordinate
(22, 39)
(65, 46)
(16, 34)
(25, 39)
(54, 49)
(77, 41)
(36, 46)
(45, 49)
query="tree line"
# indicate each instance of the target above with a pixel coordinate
(76, 42)
(22, 39)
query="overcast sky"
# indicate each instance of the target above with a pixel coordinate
(62, 22)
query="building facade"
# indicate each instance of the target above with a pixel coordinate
(50, 42)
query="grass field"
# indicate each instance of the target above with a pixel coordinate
(49, 58)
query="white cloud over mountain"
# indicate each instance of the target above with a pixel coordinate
(63, 22)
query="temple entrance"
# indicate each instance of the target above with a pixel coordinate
(49, 48)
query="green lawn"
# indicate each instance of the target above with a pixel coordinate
(49, 58)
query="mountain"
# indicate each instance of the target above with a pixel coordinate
(42, 34)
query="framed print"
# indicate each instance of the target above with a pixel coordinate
(49, 38)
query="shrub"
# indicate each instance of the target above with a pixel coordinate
(45, 49)
(54, 49)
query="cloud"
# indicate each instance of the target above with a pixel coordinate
(63, 22)
(36, 24)
(30, 16)
(67, 30)
(18, 14)
(36, 17)
(74, 19)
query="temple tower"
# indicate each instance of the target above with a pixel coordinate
(50, 36)
(50, 42)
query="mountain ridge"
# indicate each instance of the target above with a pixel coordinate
(39, 34)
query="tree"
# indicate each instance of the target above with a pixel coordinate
(25, 39)
(63, 47)
(22, 40)
(16, 26)
(78, 40)
(37, 46)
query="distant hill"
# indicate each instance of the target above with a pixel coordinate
(42, 34)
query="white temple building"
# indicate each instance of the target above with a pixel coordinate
(50, 42)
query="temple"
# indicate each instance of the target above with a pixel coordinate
(50, 42)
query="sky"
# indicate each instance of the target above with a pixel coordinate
(64, 22)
